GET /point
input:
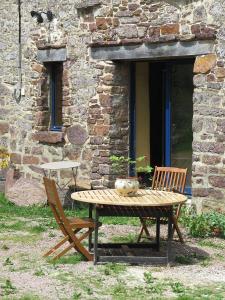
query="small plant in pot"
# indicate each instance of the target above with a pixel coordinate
(128, 186)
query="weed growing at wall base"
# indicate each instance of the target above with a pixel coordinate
(203, 225)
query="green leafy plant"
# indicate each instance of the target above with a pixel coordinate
(177, 287)
(8, 262)
(148, 277)
(120, 163)
(216, 222)
(8, 288)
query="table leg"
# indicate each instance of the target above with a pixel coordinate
(90, 235)
(74, 171)
(157, 233)
(170, 235)
(96, 237)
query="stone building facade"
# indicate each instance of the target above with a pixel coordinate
(96, 41)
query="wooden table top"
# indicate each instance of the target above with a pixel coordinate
(59, 165)
(142, 198)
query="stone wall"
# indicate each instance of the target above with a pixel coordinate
(96, 93)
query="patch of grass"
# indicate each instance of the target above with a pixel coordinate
(7, 288)
(46, 217)
(29, 297)
(23, 226)
(220, 256)
(121, 221)
(177, 287)
(210, 244)
(113, 269)
(64, 276)
(21, 238)
(148, 277)
(201, 292)
(192, 258)
(76, 296)
(39, 272)
(9, 209)
(119, 291)
(37, 229)
(153, 285)
(153, 290)
(17, 226)
(68, 260)
(183, 260)
(129, 238)
(5, 247)
(8, 262)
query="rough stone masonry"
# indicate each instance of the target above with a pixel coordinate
(95, 94)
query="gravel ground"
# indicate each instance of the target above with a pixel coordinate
(24, 270)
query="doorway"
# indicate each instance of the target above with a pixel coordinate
(161, 111)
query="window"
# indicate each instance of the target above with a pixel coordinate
(56, 70)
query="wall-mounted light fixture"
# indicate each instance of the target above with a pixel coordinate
(40, 15)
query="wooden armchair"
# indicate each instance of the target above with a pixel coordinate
(69, 226)
(167, 179)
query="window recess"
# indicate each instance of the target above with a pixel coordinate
(56, 71)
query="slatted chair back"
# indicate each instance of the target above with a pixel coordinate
(56, 206)
(172, 180)
(169, 179)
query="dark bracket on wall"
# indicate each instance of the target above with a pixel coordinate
(39, 15)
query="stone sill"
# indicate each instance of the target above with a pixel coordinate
(47, 46)
(129, 42)
(50, 137)
(84, 4)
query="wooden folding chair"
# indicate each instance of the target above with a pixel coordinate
(167, 179)
(69, 226)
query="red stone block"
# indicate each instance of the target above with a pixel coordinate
(170, 29)
(30, 160)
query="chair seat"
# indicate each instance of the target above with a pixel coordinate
(83, 222)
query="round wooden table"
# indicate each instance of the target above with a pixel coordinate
(146, 203)
(142, 198)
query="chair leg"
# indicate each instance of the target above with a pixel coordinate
(78, 247)
(143, 229)
(140, 234)
(52, 250)
(73, 244)
(176, 227)
(86, 234)
(63, 252)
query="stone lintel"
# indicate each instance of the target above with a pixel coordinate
(87, 3)
(51, 55)
(152, 51)
(51, 137)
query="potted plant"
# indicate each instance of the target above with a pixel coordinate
(4, 163)
(128, 186)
